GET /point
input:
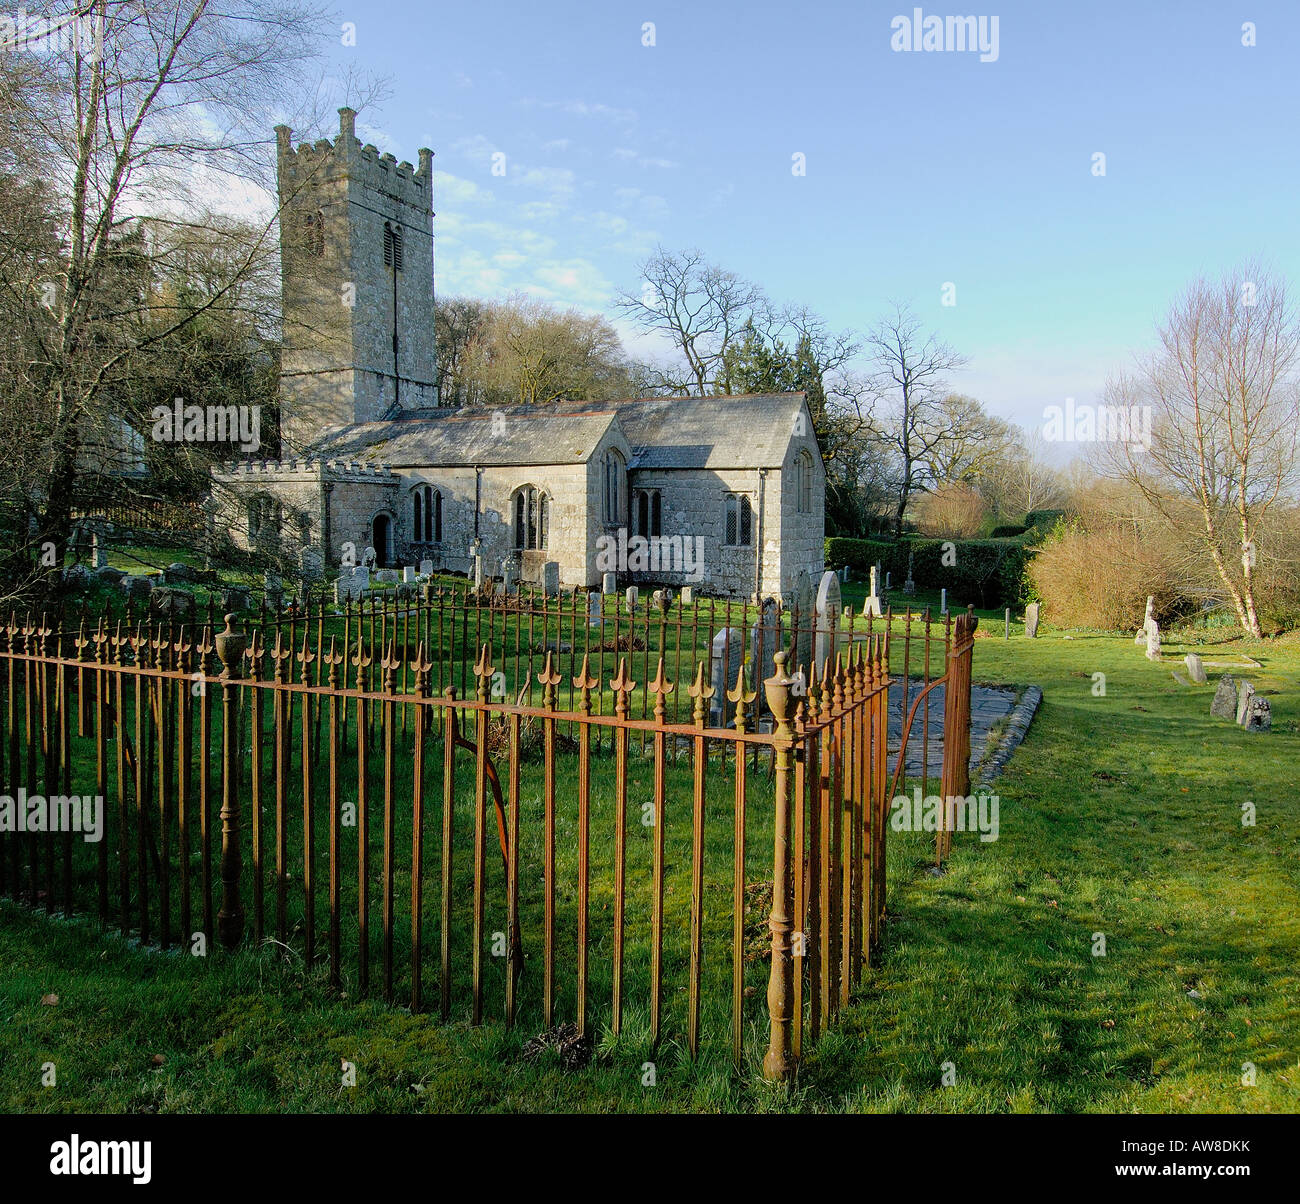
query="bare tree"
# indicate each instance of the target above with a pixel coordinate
(909, 371)
(161, 101)
(701, 308)
(1225, 406)
(966, 442)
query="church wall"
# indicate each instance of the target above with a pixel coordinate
(802, 534)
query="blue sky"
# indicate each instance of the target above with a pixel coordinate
(922, 168)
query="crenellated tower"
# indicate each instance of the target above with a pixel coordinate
(356, 248)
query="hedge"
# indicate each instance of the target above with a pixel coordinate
(987, 572)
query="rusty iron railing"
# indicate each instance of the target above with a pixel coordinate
(335, 796)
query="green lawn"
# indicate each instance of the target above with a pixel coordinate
(1121, 815)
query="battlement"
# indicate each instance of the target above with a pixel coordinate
(347, 158)
(274, 471)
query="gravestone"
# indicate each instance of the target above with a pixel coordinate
(1245, 696)
(764, 639)
(909, 586)
(688, 595)
(1153, 640)
(178, 573)
(1031, 621)
(1195, 669)
(889, 579)
(663, 598)
(609, 583)
(725, 655)
(872, 604)
(828, 611)
(1260, 716)
(943, 601)
(593, 609)
(98, 553)
(273, 588)
(110, 575)
(235, 597)
(510, 575)
(311, 566)
(844, 575)
(478, 571)
(804, 617)
(172, 604)
(1149, 617)
(551, 578)
(632, 596)
(1224, 704)
(387, 576)
(408, 574)
(426, 568)
(369, 558)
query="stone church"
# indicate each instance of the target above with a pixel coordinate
(724, 493)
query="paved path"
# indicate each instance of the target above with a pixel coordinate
(988, 706)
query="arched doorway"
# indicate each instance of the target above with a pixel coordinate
(382, 541)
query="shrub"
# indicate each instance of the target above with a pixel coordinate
(858, 554)
(987, 572)
(1006, 532)
(952, 511)
(1102, 578)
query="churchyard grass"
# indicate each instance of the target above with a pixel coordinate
(1120, 815)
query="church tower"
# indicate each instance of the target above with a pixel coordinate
(356, 251)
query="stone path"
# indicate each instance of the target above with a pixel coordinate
(988, 705)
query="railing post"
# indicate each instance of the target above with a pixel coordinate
(231, 645)
(777, 1063)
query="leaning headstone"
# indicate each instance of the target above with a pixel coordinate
(551, 578)
(593, 609)
(1260, 716)
(1031, 621)
(1149, 617)
(1180, 679)
(1245, 696)
(426, 568)
(1195, 669)
(1224, 705)
(725, 655)
(632, 596)
(872, 605)
(1153, 640)
(827, 611)
(609, 583)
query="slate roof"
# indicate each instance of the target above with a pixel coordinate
(746, 431)
(461, 440)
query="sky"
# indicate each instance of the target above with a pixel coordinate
(922, 168)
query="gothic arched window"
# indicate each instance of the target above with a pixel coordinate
(804, 481)
(615, 476)
(531, 518)
(740, 521)
(426, 514)
(647, 512)
(314, 234)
